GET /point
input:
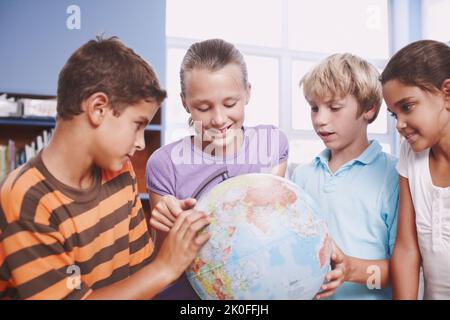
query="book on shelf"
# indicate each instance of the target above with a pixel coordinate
(11, 157)
(9, 107)
(27, 107)
(39, 107)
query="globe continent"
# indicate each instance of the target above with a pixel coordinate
(268, 241)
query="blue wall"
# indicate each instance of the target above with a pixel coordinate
(35, 41)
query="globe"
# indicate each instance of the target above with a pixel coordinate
(268, 241)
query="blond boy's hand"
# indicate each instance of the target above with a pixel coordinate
(337, 276)
(167, 210)
(183, 242)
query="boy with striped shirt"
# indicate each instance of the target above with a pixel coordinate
(71, 222)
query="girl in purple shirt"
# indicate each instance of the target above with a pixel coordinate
(214, 91)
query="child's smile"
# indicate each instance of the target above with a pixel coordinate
(421, 116)
(216, 101)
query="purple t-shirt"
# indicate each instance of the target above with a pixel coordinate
(183, 170)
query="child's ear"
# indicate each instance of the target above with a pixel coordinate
(446, 88)
(249, 93)
(369, 114)
(183, 101)
(96, 107)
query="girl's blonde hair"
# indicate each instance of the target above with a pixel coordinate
(212, 55)
(345, 74)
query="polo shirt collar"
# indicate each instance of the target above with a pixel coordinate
(369, 155)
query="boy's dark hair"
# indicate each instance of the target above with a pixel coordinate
(424, 64)
(108, 66)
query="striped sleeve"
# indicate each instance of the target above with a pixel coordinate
(33, 261)
(141, 246)
(36, 262)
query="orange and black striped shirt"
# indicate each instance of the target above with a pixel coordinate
(57, 242)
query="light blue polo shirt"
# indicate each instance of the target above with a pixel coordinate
(360, 203)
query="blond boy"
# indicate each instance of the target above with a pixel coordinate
(353, 180)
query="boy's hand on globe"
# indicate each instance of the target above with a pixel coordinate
(183, 242)
(337, 276)
(167, 210)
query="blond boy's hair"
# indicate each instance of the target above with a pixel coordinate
(345, 74)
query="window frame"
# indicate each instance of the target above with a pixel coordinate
(404, 26)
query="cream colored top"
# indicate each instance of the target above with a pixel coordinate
(432, 209)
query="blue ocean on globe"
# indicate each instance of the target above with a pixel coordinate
(268, 241)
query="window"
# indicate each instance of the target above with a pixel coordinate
(264, 106)
(435, 20)
(279, 48)
(233, 20)
(355, 26)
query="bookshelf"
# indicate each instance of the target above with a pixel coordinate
(24, 130)
(32, 64)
